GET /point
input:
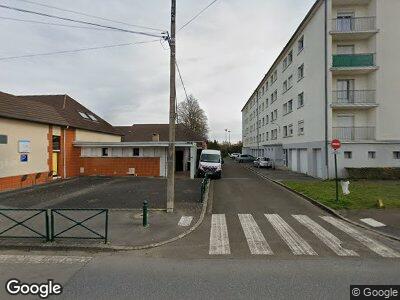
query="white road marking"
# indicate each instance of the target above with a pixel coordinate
(292, 239)
(185, 221)
(373, 245)
(372, 222)
(219, 240)
(255, 239)
(43, 259)
(325, 236)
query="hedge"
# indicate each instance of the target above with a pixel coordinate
(374, 173)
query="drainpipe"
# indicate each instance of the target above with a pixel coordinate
(64, 154)
(326, 89)
(258, 128)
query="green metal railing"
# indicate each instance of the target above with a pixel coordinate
(63, 214)
(353, 60)
(33, 213)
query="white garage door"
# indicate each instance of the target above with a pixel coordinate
(293, 165)
(318, 163)
(303, 161)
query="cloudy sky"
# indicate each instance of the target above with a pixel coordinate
(222, 55)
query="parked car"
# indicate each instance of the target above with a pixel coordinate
(245, 158)
(234, 155)
(263, 162)
(210, 163)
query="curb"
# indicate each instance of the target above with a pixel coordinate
(110, 248)
(323, 206)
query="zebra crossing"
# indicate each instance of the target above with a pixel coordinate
(258, 244)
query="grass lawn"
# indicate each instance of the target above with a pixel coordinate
(363, 193)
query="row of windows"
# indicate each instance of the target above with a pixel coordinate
(371, 154)
(287, 61)
(288, 129)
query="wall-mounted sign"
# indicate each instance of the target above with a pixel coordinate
(3, 139)
(24, 146)
(23, 158)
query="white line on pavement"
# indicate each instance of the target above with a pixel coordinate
(372, 222)
(219, 240)
(292, 239)
(43, 259)
(255, 238)
(373, 245)
(325, 236)
(185, 221)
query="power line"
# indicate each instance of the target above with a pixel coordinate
(180, 76)
(89, 15)
(78, 21)
(76, 50)
(53, 24)
(197, 15)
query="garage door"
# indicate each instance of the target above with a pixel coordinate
(293, 165)
(303, 161)
(317, 153)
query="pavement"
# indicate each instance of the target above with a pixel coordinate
(236, 253)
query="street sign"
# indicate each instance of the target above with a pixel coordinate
(336, 144)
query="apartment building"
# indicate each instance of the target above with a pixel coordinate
(337, 77)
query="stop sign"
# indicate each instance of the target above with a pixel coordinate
(336, 144)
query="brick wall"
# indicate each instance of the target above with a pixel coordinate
(21, 181)
(119, 166)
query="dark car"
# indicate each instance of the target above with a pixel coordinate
(245, 158)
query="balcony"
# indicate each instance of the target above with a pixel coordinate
(354, 99)
(353, 28)
(348, 134)
(353, 64)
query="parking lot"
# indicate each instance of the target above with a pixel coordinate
(102, 192)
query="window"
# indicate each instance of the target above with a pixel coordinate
(56, 143)
(266, 103)
(267, 119)
(300, 72)
(135, 151)
(83, 115)
(371, 154)
(300, 100)
(267, 135)
(285, 86)
(290, 57)
(93, 118)
(348, 154)
(290, 106)
(285, 131)
(104, 151)
(275, 114)
(300, 128)
(263, 121)
(300, 44)
(285, 108)
(396, 154)
(285, 64)
(290, 130)
(290, 82)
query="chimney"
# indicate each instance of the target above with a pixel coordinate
(156, 137)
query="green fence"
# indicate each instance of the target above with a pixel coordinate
(353, 60)
(17, 222)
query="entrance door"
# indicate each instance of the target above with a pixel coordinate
(345, 90)
(345, 21)
(55, 164)
(179, 161)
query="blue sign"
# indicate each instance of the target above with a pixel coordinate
(24, 158)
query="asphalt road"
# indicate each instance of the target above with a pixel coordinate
(293, 261)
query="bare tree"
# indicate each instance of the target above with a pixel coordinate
(193, 116)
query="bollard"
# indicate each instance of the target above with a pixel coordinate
(145, 222)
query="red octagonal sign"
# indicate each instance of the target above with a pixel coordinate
(336, 144)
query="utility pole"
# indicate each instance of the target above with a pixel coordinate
(172, 116)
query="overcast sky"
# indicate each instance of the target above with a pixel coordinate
(222, 56)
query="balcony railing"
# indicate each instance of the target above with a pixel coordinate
(356, 97)
(343, 25)
(354, 133)
(353, 60)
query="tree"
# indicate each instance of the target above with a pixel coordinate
(193, 116)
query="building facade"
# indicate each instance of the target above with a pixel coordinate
(336, 78)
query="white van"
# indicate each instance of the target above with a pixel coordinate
(210, 163)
